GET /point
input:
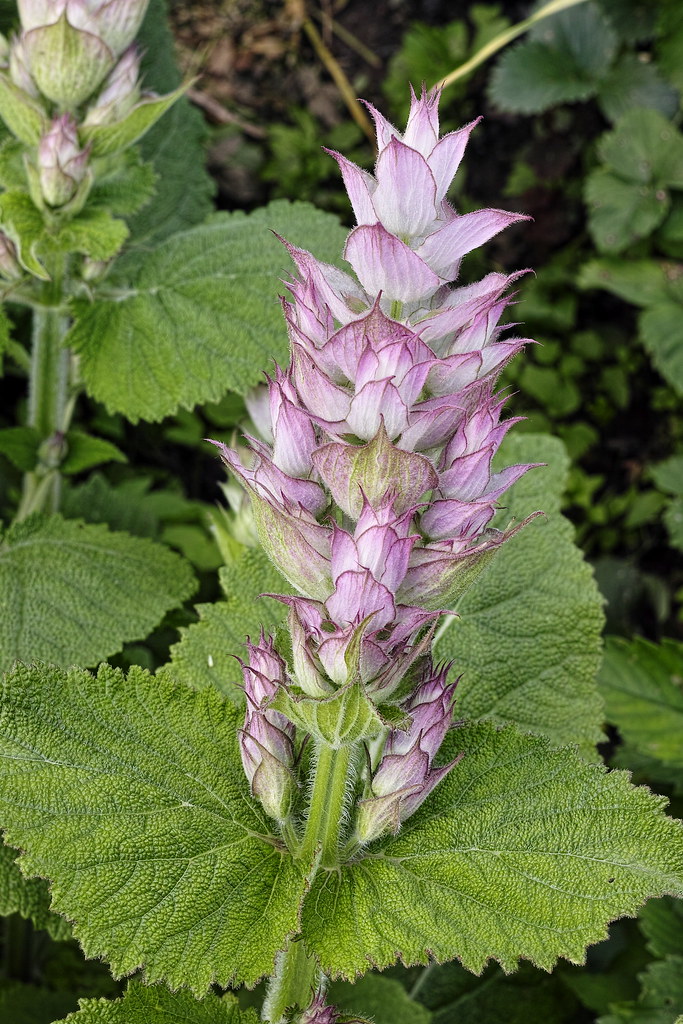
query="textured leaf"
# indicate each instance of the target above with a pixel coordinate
(528, 638)
(661, 999)
(206, 653)
(28, 897)
(642, 684)
(644, 148)
(75, 593)
(129, 795)
(661, 921)
(522, 851)
(526, 997)
(620, 211)
(94, 233)
(84, 451)
(661, 329)
(197, 316)
(156, 1005)
(383, 1000)
(631, 83)
(23, 223)
(175, 145)
(531, 77)
(584, 32)
(28, 1004)
(126, 185)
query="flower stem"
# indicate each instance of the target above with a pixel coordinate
(49, 408)
(326, 808)
(292, 984)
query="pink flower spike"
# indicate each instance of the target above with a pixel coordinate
(359, 186)
(386, 264)
(422, 128)
(445, 158)
(405, 198)
(443, 249)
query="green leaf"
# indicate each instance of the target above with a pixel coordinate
(127, 184)
(631, 83)
(75, 593)
(93, 232)
(583, 32)
(642, 684)
(23, 223)
(28, 897)
(156, 1005)
(528, 650)
(129, 505)
(521, 852)
(661, 921)
(28, 1004)
(641, 282)
(197, 316)
(129, 795)
(531, 78)
(84, 451)
(111, 138)
(644, 148)
(620, 212)
(205, 656)
(382, 999)
(669, 46)
(660, 1000)
(661, 329)
(24, 117)
(175, 145)
(526, 997)
(20, 445)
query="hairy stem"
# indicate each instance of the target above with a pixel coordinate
(326, 808)
(292, 984)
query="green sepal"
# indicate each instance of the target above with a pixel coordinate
(346, 716)
(23, 223)
(283, 538)
(24, 117)
(373, 469)
(111, 138)
(67, 64)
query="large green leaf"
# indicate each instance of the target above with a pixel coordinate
(522, 851)
(175, 146)
(130, 796)
(528, 638)
(197, 316)
(156, 1005)
(206, 654)
(75, 593)
(642, 686)
(29, 897)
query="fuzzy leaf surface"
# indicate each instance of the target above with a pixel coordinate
(156, 1005)
(206, 653)
(642, 684)
(128, 793)
(523, 851)
(27, 896)
(76, 593)
(197, 316)
(528, 640)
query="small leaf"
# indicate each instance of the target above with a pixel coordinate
(642, 684)
(531, 78)
(521, 851)
(528, 650)
(582, 31)
(126, 185)
(84, 451)
(24, 117)
(644, 148)
(111, 138)
(384, 1000)
(641, 282)
(183, 323)
(347, 716)
(75, 593)
(205, 656)
(93, 232)
(28, 897)
(156, 1005)
(20, 445)
(661, 329)
(631, 83)
(660, 999)
(620, 212)
(23, 223)
(129, 795)
(661, 921)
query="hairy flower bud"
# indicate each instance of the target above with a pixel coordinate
(120, 92)
(62, 165)
(266, 740)
(9, 265)
(404, 777)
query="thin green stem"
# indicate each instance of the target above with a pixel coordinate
(293, 983)
(326, 809)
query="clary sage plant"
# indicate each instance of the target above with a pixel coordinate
(331, 815)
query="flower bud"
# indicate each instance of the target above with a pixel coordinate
(267, 739)
(62, 165)
(9, 265)
(405, 777)
(120, 93)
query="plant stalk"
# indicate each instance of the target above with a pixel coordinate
(326, 809)
(293, 983)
